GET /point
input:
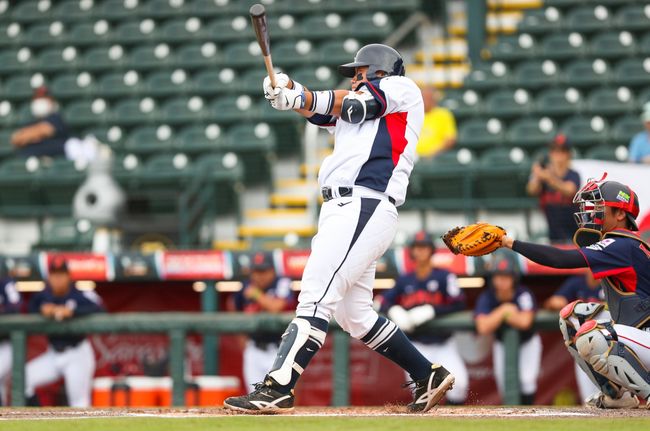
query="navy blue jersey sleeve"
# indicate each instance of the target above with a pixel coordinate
(238, 299)
(454, 297)
(36, 301)
(574, 177)
(392, 296)
(87, 303)
(608, 257)
(10, 300)
(322, 120)
(569, 289)
(483, 304)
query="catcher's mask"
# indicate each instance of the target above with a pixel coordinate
(596, 195)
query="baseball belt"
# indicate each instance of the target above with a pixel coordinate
(344, 191)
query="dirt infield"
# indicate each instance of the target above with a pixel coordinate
(448, 412)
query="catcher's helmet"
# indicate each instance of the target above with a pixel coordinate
(596, 195)
(377, 57)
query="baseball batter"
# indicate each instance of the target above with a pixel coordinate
(376, 127)
(422, 295)
(10, 303)
(612, 347)
(67, 356)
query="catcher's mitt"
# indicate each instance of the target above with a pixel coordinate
(474, 240)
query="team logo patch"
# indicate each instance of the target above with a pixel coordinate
(623, 197)
(601, 245)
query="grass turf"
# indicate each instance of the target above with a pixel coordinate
(273, 423)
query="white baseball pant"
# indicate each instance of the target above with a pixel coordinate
(530, 358)
(5, 370)
(76, 365)
(453, 362)
(257, 363)
(339, 276)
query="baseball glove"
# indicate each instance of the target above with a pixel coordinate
(474, 240)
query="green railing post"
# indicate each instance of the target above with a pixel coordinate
(18, 357)
(210, 341)
(177, 365)
(512, 394)
(476, 23)
(341, 369)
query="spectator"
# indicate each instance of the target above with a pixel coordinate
(47, 133)
(507, 303)
(640, 143)
(265, 292)
(422, 295)
(439, 126)
(67, 356)
(10, 303)
(556, 183)
(585, 288)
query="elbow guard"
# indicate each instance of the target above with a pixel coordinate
(356, 108)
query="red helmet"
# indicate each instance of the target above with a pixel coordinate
(596, 195)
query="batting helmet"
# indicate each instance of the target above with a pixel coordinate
(502, 262)
(377, 57)
(596, 195)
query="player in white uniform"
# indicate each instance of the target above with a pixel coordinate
(10, 303)
(376, 126)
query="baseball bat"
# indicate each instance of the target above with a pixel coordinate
(258, 18)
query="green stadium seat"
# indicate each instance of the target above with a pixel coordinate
(369, 26)
(229, 29)
(60, 179)
(17, 87)
(588, 19)
(6, 150)
(31, 10)
(514, 47)
(315, 78)
(625, 128)
(103, 58)
(88, 34)
(20, 195)
(321, 26)
(126, 169)
(200, 139)
(118, 10)
(46, 34)
(633, 17)
(500, 181)
(478, 133)
(508, 103)
(608, 153)
(167, 83)
(587, 73)
(333, 53)
(165, 8)
(184, 110)
(164, 177)
(74, 10)
(15, 60)
(151, 57)
(541, 21)
(12, 35)
(251, 81)
(292, 53)
(488, 76)
(536, 74)
(462, 103)
(243, 54)
(563, 46)
(254, 144)
(586, 131)
(633, 72)
(611, 101)
(65, 235)
(136, 111)
(559, 102)
(613, 45)
(182, 30)
(111, 135)
(58, 59)
(136, 32)
(531, 132)
(73, 85)
(86, 112)
(285, 25)
(206, 8)
(150, 140)
(214, 82)
(230, 109)
(14, 115)
(194, 56)
(117, 85)
(225, 175)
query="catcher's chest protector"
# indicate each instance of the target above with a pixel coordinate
(626, 308)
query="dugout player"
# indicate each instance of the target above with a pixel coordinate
(67, 356)
(612, 347)
(508, 303)
(422, 295)
(376, 127)
(586, 289)
(10, 303)
(265, 292)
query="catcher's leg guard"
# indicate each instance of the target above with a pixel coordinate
(299, 343)
(572, 316)
(598, 344)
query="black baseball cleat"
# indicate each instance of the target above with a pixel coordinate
(264, 399)
(428, 392)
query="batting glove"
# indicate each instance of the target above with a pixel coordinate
(401, 318)
(421, 314)
(288, 99)
(281, 81)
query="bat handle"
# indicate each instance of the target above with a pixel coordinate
(269, 69)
